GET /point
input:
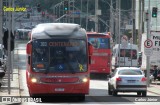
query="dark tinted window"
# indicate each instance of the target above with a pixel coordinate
(62, 55)
(130, 72)
(128, 53)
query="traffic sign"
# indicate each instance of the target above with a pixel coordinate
(148, 50)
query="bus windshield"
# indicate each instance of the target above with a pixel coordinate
(59, 55)
(100, 43)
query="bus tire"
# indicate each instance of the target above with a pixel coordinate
(31, 95)
(81, 98)
(114, 93)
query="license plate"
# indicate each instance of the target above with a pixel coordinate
(131, 81)
(59, 89)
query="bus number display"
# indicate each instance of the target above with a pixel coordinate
(43, 43)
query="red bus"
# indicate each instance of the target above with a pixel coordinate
(101, 57)
(57, 60)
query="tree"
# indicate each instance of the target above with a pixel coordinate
(5, 40)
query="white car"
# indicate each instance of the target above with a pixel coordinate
(127, 79)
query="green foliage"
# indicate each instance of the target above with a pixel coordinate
(128, 33)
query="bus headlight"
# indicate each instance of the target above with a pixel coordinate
(33, 80)
(85, 80)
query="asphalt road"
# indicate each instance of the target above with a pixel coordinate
(98, 90)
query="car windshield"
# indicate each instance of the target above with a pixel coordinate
(62, 55)
(129, 72)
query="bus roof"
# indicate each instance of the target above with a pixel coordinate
(98, 34)
(51, 30)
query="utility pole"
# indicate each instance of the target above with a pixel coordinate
(87, 17)
(73, 12)
(142, 16)
(116, 22)
(1, 22)
(81, 13)
(148, 37)
(9, 46)
(133, 22)
(96, 16)
(119, 25)
(111, 18)
(140, 24)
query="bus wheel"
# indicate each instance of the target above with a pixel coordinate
(31, 95)
(81, 98)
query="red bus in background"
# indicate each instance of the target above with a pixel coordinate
(57, 60)
(101, 56)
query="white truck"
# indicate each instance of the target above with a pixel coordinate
(125, 57)
(154, 58)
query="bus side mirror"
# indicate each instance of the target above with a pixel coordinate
(90, 49)
(29, 59)
(28, 49)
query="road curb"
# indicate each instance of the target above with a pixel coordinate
(11, 104)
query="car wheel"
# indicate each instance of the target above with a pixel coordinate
(138, 93)
(114, 93)
(109, 90)
(144, 94)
